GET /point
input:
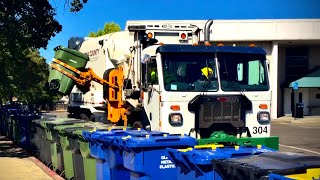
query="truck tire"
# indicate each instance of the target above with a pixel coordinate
(139, 119)
(84, 117)
(137, 124)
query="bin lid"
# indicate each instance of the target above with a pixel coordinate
(69, 131)
(110, 136)
(64, 121)
(164, 140)
(266, 163)
(27, 117)
(307, 160)
(63, 128)
(79, 134)
(205, 156)
(72, 51)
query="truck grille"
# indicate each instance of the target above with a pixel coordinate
(220, 110)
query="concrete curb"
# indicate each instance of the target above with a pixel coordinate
(47, 170)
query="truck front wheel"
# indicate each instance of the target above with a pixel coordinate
(138, 119)
(84, 117)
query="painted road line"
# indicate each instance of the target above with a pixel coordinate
(306, 150)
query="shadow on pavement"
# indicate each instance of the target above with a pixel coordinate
(9, 149)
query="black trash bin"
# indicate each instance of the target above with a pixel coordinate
(299, 110)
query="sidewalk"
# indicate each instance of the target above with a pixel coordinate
(15, 163)
(315, 120)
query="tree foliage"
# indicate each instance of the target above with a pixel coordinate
(76, 5)
(25, 26)
(108, 28)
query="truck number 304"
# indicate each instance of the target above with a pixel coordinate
(260, 129)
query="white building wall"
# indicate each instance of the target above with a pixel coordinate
(274, 80)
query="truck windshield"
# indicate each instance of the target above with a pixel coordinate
(243, 72)
(189, 72)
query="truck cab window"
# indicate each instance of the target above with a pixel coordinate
(152, 73)
(189, 72)
(242, 72)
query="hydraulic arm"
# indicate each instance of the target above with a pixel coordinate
(114, 82)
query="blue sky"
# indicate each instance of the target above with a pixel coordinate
(97, 12)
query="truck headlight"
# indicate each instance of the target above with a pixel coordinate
(263, 117)
(175, 119)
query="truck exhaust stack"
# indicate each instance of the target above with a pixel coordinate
(207, 31)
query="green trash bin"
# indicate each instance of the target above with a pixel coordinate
(72, 158)
(57, 80)
(65, 145)
(40, 139)
(54, 140)
(219, 137)
(84, 163)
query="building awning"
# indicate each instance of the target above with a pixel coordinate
(311, 80)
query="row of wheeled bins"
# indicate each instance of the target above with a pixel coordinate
(77, 149)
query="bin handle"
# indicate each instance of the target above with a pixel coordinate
(209, 146)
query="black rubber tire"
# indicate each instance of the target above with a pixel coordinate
(84, 117)
(143, 123)
(137, 124)
(92, 118)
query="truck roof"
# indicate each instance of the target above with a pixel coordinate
(212, 49)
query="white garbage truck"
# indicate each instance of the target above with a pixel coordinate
(190, 87)
(91, 105)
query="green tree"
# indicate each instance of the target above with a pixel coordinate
(75, 5)
(25, 26)
(108, 28)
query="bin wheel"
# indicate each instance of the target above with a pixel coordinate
(62, 174)
(54, 85)
(50, 166)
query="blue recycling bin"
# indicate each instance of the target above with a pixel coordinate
(108, 154)
(196, 163)
(147, 157)
(23, 126)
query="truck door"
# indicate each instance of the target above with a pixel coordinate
(151, 99)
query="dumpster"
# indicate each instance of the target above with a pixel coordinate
(219, 137)
(196, 163)
(53, 138)
(262, 165)
(147, 157)
(57, 80)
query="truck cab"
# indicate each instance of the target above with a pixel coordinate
(202, 89)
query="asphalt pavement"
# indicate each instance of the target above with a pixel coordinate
(298, 135)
